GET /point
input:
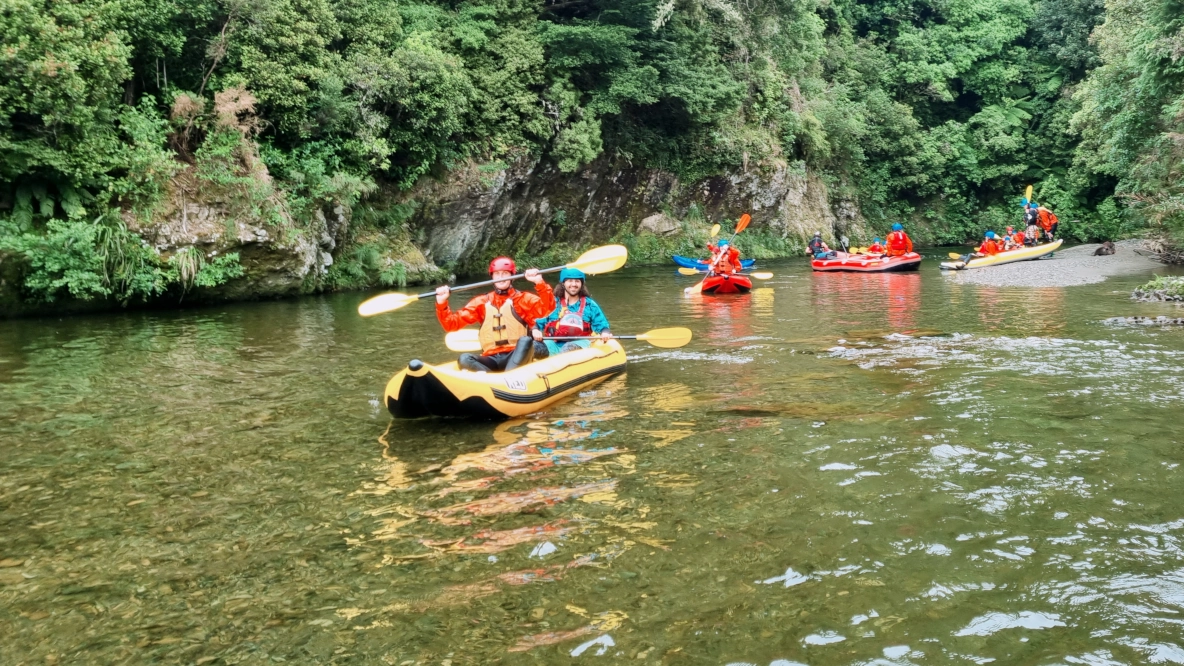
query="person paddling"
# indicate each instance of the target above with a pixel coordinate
(899, 243)
(818, 248)
(576, 315)
(506, 316)
(876, 247)
(725, 259)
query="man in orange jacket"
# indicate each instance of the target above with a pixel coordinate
(875, 247)
(899, 243)
(1048, 222)
(506, 316)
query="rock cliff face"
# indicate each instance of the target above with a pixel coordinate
(530, 205)
(458, 221)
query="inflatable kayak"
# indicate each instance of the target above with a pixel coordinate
(726, 284)
(1021, 254)
(862, 263)
(701, 264)
(446, 390)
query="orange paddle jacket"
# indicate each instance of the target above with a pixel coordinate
(728, 263)
(899, 244)
(526, 305)
(989, 247)
(1047, 218)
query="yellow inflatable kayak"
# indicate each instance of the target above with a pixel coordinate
(446, 390)
(1021, 254)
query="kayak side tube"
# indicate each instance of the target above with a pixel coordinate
(856, 263)
(446, 390)
(1021, 254)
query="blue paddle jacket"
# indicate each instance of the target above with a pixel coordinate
(592, 314)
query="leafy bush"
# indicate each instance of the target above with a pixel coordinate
(87, 260)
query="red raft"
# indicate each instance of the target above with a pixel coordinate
(862, 263)
(726, 284)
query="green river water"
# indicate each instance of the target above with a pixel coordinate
(839, 469)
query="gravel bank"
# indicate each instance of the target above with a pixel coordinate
(1066, 268)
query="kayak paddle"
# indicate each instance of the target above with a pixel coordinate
(714, 230)
(604, 259)
(466, 340)
(763, 275)
(740, 226)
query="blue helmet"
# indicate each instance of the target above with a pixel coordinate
(898, 227)
(1033, 204)
(571, 274)
(724, 243)
(877, 240)
(990, 234)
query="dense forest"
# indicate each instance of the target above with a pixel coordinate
(931, 111)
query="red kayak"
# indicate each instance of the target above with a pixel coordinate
(726, 284)
(863, 263)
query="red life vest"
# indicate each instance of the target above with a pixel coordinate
(570, 322)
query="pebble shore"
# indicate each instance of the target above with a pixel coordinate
(1066, 268)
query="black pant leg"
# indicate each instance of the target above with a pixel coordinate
(479, 363)
(523, 353)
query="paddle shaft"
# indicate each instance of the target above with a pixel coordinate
(588, 337)
(486, 283)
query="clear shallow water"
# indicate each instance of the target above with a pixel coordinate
(838, 469)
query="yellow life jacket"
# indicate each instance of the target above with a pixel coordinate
(502, 326)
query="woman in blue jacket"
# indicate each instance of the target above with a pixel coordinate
(575, 315)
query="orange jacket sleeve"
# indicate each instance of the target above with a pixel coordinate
(908, 243)
(471, 313)
(533, 307)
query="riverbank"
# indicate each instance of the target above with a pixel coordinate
(1067, 268)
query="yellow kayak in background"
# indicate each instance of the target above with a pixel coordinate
(1021, 254)
(446, 390)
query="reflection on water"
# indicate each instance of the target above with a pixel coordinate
(840, 468)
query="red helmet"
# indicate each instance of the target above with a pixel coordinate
(502, 264)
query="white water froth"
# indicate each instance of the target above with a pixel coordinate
(991, 623)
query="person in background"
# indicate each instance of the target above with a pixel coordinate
(725, 259)
(990, 246)
(1032, 223)
(818, 248)
(1012, 240)
(576, 315)
(876, 247)
(899, 243)
(1048, 222)
(506, 316)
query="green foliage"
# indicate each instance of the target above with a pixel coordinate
(1130, 116)
(190, 268)
(937, 112)
(87, 260)
(1171, 286)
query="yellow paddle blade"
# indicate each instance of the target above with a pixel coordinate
(954, 255)
(714, 230)
(667, 338)
(763, 275)
(604, 259)
(385, 303)
(1028, 193)
(464, 340)
(688, 271)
